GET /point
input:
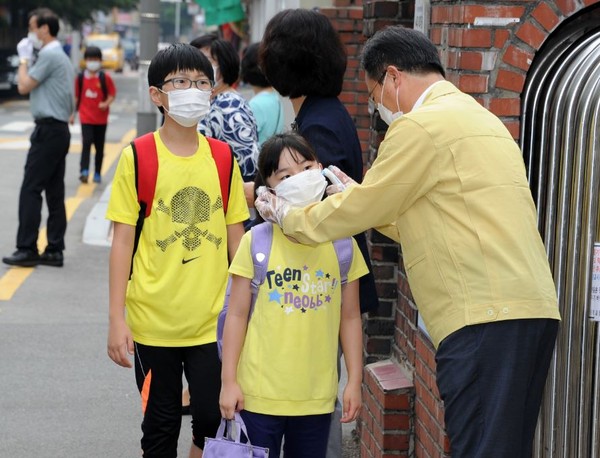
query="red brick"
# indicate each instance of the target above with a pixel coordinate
(531, 35)
(510, 80)
(473, 84)
(518, 57)
(567, 6)
(545, 16)
(470, 38)
(501, 36)
(505, 106)
(513, 127)
(396, 421)
(435, 35)
(441, 14)
(470, 60)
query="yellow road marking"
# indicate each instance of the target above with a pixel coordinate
(14, 277)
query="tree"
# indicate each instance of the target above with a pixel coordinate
(75, 12)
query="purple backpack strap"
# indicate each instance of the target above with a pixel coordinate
(344, 251)
(260, 248)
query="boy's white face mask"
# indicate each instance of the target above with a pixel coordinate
(302, 189)
(188, 106)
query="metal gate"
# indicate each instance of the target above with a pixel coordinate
(560, 135)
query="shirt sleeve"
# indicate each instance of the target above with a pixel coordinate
(242, 261)
(404, 171)
(358, 268)
(237, 207)
(110, 85)
(123, 206)
(42, 67)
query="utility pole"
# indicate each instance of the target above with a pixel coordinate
(149, 32)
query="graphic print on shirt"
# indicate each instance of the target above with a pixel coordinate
(91, 94)
(300, 290)
(188, 209)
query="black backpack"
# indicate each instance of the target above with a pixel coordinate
(103, 86)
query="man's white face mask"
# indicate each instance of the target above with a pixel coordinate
(385, 113)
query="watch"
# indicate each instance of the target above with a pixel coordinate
(23, 60)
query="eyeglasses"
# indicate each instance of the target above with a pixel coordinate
(203, 84)
(379, 81)
(371, 99)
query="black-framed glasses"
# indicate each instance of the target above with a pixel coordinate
(379, 81)
(180, 82)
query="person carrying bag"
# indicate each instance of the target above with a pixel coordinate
(228, 444)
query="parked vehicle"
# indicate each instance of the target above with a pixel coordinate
(9, 65)
(113, 56)
(131, 50)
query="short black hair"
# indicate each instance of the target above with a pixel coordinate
(204, 41)
(250, 70)
(224, 53)
(45, 16)
(407, 49)
(302, 54)
(178, 56)
(268, 159)
(92, 52)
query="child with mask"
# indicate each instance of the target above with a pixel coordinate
(94, 92)
(280, 366)
(173, 287)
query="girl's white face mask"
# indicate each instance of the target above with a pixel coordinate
(302, 189)
(187, 106)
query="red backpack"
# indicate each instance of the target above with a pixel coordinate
(145, 159)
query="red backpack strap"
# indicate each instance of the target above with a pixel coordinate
(145, 162)
(223, 157)
(145, 158)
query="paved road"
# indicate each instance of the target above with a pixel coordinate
(60, 395)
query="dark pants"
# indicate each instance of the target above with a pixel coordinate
(44, 172)
(303, 436)
(491, 378)
(158, 372)
(92, 134)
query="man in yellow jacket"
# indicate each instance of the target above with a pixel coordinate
(449, 185)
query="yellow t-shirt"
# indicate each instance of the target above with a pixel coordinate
(288, 365)
(180, 268)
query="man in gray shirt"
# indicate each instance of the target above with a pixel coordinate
(50, 82)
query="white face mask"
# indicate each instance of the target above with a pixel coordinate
(93, 65)
(385, 113)
(187, 106)
(302, 189)
(35, 41)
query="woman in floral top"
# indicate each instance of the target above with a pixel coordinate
(230, 118)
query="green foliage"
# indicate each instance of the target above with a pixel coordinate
(75, 12)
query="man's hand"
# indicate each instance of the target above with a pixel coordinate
(271, 207)
(25, 49)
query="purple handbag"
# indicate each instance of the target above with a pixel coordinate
(228, 445)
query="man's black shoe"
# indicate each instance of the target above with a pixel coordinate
(51, 258)
(22, 258)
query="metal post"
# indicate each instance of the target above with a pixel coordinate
(149, 32)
